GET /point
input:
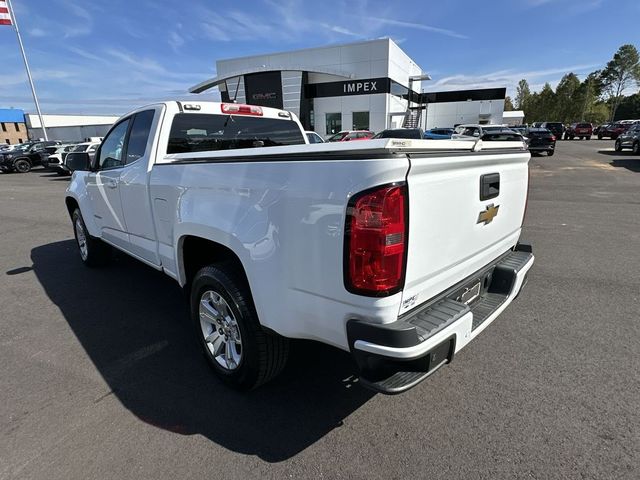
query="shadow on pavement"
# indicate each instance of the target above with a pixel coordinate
(629, 164)
(133, 323)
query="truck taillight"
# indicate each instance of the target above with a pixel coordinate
(376, 241)
(553, 138)
(237, 109)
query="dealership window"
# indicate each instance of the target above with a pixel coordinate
(19, 140)
(334, 123)
(7, 141)
(361, 120)
(15, 124)
(4, 127)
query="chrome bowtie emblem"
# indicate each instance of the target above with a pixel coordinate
(488, 215)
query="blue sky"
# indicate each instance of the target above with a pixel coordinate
(110, 57)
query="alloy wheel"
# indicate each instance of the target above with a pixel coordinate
(220, 330)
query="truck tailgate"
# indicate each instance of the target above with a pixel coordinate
(452, 231)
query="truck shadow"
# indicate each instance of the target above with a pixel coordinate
(132, 322)
(629, 164)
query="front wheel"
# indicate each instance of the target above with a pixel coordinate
(550, 153)
(22, 165)
(226, 324)
(93, 251)
(618, 146)
(599, 137)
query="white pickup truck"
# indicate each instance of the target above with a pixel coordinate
(398, 251)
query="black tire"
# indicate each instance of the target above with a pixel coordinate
(550, 153)
(22, 165)
(587, 138)
(636, 148)
(97, 252)
(264, 354)
(618, 146)
(599, 137)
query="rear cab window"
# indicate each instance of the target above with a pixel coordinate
(201, 132)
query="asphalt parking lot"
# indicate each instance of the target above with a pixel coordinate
(99, 377)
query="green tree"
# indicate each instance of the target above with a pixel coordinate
(620, 73)
(508, 104)
(629, 107)
(567, 104)
(522, 94)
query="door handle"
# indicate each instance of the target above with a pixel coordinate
(489, 186)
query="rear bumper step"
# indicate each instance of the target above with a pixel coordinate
(397, 356)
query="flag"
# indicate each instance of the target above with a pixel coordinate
(5, 18)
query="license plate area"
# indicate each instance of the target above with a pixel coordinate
(470, 292)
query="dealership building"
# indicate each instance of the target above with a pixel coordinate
(369, 85)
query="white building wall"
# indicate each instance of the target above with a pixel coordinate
(448, 114)
(371, 59)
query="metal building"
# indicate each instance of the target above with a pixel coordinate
(369, 85)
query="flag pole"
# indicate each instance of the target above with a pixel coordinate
(26, 65)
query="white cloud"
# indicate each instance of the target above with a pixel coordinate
(508, 78)
(418, 26)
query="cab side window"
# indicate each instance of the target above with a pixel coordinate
(112, 150)
(137, 143)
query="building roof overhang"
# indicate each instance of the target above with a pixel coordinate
(215, 81)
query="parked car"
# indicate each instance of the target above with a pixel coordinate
(474, 130)
(536, 125)
(348, 135)
(313, 137)
(58, 156)
(438, 133)
(27, 156)
(613, 130)
(630, 138)
(394, 254)
(541, 140)
(414, 133)
(557, 128)
(579, 130)
(86, 147)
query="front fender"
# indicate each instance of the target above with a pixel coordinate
(77, 190)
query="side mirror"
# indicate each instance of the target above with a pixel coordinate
(78, 161)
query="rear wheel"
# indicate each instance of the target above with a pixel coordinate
(238, 349)
(93, 251)
(22, 165)
(618, 146)
(599, 137)
(636, 148)
(550, 153)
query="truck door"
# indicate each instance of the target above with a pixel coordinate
(103, 186)
(134, 185)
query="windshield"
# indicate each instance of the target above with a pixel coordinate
(23, 147)
(80, 148)
(337, 137)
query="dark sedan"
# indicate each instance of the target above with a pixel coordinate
(541, 140)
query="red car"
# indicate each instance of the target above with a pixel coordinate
(349, 135)
(613, 131)
(580, 130)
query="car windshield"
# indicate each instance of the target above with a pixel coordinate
(22, 147)
(337, 137)
(80, 148)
